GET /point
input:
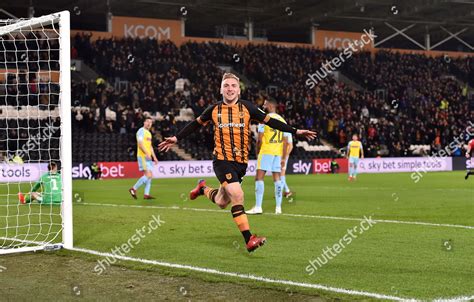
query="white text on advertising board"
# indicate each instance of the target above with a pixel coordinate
(148, 31)
(338, 43)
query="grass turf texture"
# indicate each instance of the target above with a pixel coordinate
(402, 260)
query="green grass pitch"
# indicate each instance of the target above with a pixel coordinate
(407, 260)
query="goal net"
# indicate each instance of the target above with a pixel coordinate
(35, 134)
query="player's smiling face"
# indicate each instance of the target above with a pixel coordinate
(230, 90)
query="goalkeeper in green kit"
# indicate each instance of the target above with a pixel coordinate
(51, 185)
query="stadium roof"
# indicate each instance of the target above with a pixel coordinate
(283, 20)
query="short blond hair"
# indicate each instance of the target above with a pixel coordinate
(229, 75)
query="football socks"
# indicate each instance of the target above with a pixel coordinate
(240, 218)
(142, 180)
(259, 190)
(283, 184)
(147, 186)
(210, 193)
(278, 193)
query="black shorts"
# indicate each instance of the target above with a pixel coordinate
(229, 171)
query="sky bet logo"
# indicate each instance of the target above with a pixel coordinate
(302, 167)
(227, 125)
(109, 170)
(81, 171)
(470, 164)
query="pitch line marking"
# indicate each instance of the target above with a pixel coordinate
(245, 276)
(455, 299)
(284, 214)
(266, 280)
(252, 277)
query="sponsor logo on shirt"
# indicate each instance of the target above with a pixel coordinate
(234, 125)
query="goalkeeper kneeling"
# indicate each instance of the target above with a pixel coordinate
(51, 185)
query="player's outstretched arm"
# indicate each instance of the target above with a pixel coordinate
(187, 130)
(276, 124)
(170, 141)
(167, 144)
(308, 134)
(261, 116)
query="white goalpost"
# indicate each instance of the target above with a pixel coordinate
(35, 134)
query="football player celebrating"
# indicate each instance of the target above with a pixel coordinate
(231, 118)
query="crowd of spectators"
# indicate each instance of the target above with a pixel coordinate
(36, 59)
(422, 104)
(463, 68)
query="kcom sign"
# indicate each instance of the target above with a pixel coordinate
(326, 39)
(128, 27)
(338, 43)
(150, 31)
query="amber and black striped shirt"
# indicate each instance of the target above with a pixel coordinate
(232, 128)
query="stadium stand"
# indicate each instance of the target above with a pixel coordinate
(416, 109)
(17, 135)
(426, 105)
